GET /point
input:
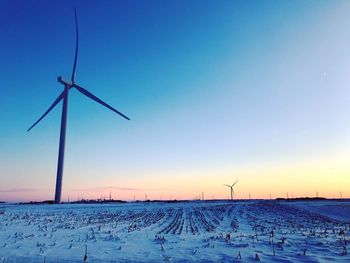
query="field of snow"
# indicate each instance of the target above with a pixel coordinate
(339, 210)
(238, 231)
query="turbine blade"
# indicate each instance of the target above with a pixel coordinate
(76, 45)
(93, 97)
(234, 183)
(227, 185)
(51, 107)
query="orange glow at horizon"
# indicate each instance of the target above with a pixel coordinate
(325, 178)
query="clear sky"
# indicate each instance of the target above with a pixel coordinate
(216, 91)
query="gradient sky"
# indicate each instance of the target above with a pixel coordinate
(216, 91)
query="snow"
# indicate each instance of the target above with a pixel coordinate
(209, 231)
(339, 210)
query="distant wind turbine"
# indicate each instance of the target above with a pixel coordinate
(231, 188)
(64, 96)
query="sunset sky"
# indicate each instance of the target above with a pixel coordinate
(216, 91)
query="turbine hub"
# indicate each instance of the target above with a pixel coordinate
(68, 83)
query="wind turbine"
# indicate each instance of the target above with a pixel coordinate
(64, 96)
(231, 188)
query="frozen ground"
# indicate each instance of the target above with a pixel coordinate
(244, 231)
(339, 210)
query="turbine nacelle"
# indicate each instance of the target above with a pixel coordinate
(68, 83)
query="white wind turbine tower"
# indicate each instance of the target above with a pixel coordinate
(69, 85)
(231, 188)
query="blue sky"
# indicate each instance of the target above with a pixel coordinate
(216, 90)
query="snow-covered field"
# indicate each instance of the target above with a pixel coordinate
(239, 231)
